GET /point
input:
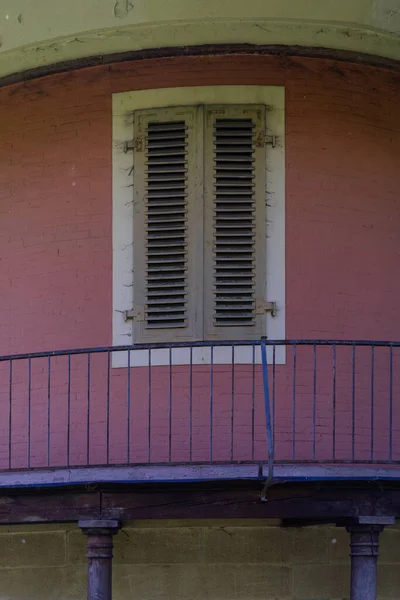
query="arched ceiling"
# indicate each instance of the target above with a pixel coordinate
(39, 33)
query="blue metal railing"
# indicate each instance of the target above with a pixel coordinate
(247, 402)
(169, 404)
(270, 442)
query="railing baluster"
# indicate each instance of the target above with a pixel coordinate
(233, 400)
(149, 410)
(29, 411)
(191, 404)
(211, 400)
(391, 403)
(108, 410)
(170, 406)
(314, 408)
(69, 410)
(88, 413)
(128, 410)
(48, 408)
(294, 402)
(353, 404)
(334, 403)
(273, 390)
(253, 389)
(372, 400)
(10, 415)
(267, 408)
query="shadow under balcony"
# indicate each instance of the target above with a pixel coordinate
(197, 412)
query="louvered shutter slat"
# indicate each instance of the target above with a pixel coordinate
(165, 171)
(166, 310)
(233, 233)
(166, 305)
(234, 198)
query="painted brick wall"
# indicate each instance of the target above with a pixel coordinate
(342, 221)
(343, 214)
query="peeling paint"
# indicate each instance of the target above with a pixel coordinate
(19, 18)
(122, 8)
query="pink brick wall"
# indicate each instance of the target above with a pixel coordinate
(342, 224)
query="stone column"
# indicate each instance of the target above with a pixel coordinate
(99, 554)
(364, 551)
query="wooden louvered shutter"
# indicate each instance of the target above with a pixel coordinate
(235, 199)
(166, 213)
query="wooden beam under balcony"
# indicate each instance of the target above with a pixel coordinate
(313, 502)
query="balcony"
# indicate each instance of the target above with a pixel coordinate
(203, 411)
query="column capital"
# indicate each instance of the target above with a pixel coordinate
(364, 534)
(370, 521)
(364, 540)
(100, 527)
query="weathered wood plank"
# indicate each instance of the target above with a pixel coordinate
(42, 507)
(288, 502)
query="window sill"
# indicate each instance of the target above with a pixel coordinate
(240, 355)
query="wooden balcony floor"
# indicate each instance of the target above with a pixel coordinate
(148, 474)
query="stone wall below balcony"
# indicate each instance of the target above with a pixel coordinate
(189, 560)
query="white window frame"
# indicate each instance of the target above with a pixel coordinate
(123, 105)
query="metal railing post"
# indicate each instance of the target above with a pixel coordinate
(270, 443)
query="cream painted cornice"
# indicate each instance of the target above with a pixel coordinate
(39, 33)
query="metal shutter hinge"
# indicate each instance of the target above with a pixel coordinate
(261, 140)
(263, 307)
(271, 139)
(136, 145)
(136, 314)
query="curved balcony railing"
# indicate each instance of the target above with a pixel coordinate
(217, 403)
